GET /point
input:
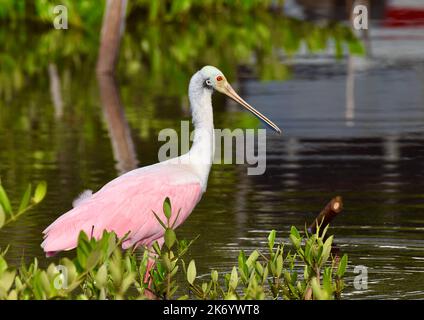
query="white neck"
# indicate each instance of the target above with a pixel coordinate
(201, 153)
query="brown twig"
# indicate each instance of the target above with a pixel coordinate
(331, 210)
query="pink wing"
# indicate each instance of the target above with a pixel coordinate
(125, 205)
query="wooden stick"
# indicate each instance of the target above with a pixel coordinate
(331, 210)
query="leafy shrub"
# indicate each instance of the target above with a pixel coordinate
(101, 270)
(29, 200)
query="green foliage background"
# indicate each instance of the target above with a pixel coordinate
(164, 40)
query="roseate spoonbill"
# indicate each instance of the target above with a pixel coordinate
(125, 204)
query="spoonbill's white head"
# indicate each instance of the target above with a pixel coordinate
(213, 79)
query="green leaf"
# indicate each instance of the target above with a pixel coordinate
(319, 294)
(115, 272)
(271, 239)
(356, 47)
(252, 258)
(259, 269)
(326, 250)
(52, 271)
(295, 241)
(18, 284)
(4, 200)
(279, 265)
(243, 268)
(159, 220)
(176, 218)
(111, 243)
(264, 275)
(154, 8)
(3, 265)
(13, 295)
(115, 268)
(44, 279)
(170, 238)
(233, 279)
(102, 294)
(167, 262)
(214, 276)
(156, 248)
(323, 233)
(83, 249)
(342, 266)
(307, 272)
(167, 210)
(40, 192)
(2, 216)
(191, 272)
(241, 259)
(271, 265)
(127, 281)
(294, 232)
(204, 287)
(25, 199)
(6, 280)
(326, 281)
(93, 259)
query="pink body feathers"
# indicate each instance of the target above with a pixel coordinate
(125, 205)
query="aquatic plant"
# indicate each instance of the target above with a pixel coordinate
(275, 275)
(101, 270)
(29, 200)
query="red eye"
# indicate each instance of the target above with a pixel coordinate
(218, 78)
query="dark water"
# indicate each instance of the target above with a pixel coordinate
(352, 127)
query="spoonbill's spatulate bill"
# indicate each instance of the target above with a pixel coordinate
(126, 204)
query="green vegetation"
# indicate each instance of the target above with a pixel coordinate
(164, 41)
(29, 200)
(101, 270)
(85, 13)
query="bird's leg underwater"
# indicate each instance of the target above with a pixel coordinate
(151, 261)
(148, 279)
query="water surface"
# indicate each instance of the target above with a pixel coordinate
(352, 127)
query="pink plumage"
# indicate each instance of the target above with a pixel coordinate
(126, 204)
